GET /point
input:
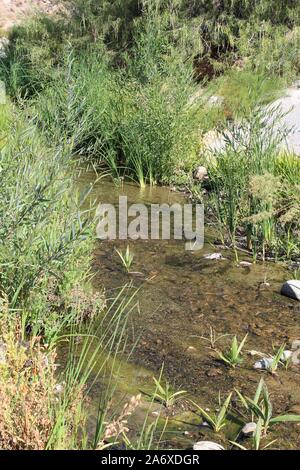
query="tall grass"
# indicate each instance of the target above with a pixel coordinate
(43, 229)
(253, 193)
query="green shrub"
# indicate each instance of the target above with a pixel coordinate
(43, 233)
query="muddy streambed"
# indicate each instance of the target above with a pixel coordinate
(182, 296)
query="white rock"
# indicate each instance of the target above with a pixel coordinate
(249, 429)
(245, 263)
(286, 355)
(264, 363)
(207, 445)
(214, 256)
(291, 289)
(200, 173)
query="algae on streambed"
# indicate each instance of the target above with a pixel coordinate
(181, 295)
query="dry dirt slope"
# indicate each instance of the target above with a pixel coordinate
(13, 11)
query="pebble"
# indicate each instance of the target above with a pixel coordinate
(286, 355)
(214, 256)
(264, 363)
(249, 429)
(207, 445)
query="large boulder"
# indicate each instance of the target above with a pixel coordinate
(291, 289)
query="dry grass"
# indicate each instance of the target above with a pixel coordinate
(30, 396)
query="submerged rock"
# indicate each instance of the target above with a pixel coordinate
(214, 256)
(207, 445)
(200, 174)
(291, 289)
(264, 364)
(249, 429)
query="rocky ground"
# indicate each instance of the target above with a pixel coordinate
(13, 11)
(283, 117)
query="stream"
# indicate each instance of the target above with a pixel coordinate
(182, 297)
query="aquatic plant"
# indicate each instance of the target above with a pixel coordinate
(126, 257)
(261, 407)
(256, 439)
(233, 356)
(216, 421)
(276, 360)
(213, 337)
(164, 394)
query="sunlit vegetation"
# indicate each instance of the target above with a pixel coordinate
(125, 84)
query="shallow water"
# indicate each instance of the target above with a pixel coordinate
(181, 296)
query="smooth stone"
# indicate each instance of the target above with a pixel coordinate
(207, 445)
(214, 256)
(286, 355)
(291, 289)
(264, 363)
(249, 429)
(245, 264)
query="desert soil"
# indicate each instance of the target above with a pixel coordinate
(13, 11)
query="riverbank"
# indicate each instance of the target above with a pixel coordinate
(123, 91)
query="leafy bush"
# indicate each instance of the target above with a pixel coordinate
(43, 230)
